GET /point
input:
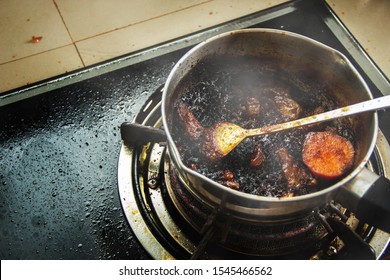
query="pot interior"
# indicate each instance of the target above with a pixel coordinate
(217, 78)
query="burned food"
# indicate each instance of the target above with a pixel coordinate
(257, 157)
(296, 176)
(287, 107)
(327, 154)
(252, 106)
(256, 94)
(191, 124)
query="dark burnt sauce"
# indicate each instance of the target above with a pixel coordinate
(245, 91)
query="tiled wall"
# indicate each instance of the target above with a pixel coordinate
(72, 34)
(78, 33)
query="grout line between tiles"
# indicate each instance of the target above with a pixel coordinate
(140, 22)
(74, 43)
(35, 54)
(70, 35)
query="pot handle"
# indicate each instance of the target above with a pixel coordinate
(134, 134)
(368, 197)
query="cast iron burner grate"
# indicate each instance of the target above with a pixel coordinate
(170, 224)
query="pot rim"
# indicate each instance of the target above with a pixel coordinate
(253, 197)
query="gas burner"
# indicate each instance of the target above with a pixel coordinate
(243, 237)
(171, 224)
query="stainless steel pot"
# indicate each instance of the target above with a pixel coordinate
(362, 191)
(289, 50)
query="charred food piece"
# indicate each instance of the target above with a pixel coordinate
(257, 157)
(327, 154)
(252, 106)
(192, 126)
(288, 108)
(296, 176)
(229, 181)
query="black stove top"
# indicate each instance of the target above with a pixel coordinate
(60, 140)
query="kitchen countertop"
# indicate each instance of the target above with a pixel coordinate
(44, 38)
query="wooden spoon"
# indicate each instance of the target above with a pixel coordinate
(223, 137)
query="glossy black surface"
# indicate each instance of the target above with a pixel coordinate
(59, 153)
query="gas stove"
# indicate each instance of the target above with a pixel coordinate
(64, 194)
(170, 223)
